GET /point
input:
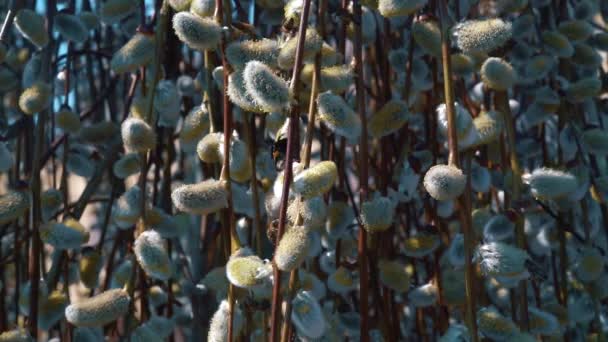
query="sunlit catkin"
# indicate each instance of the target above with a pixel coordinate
(243, 271)
(266, 51)
(292, 249)
(428, 36)
(197, 32)
(482, 35)
(202, 198)
(550, 183)
(218, 328)
(137, 135)
(239, 95)
(268, 90)
(137, 52)
(389, 119)
(338, 116)
(287, 54)
(13, 205)
(444, 182)
(31, 25)
(99, 310)
(152, 256)
(36, 98)
(315, 180)
(398, 8)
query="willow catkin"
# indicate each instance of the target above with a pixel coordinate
(66, 235)
(377, 214)
(167, 103)
(596, 141)
(218, 328)
(195, 125)
(35, 98)
(202, 198)
(137, 52)
(127, 209)
(338, 116)
(315, 180)
(31, 25)
(292, 249)
(494, 325)
(243, 271)
(398, 8)
(266, 51)
(268, 90)
(312, 44)
(151, 255)
(197, 32)
(239, 95)
(337, 78)
(389, 119)
(99, 310)
(498, 74)
(51, 309)
(89, 266)
(98, 133)
(444, 182)
(307, 315)
(428, 36)
(550, 183)
(71, 27)
(113, 11)
(137, 135)
(203, 8)
(482, 35)
(68, 121)
(13, 205)
(208, 148)
(576, 30)
(129, 164)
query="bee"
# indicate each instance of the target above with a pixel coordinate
(279, 153)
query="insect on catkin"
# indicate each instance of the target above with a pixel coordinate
(197, 32)
(149, 248)
(267, 90)
(202, 198)
(315, 180)
(137, 135)
(99, 310)
(31, 25)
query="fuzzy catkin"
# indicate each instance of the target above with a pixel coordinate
(137, 52)
(338, 116)
(202, 198)
(292, 249)
(444, 182)
(99, 310)
(151, 255)
(137, 135)
(218, 328)
(31, 25)
(267, 90)
(197, 32)
(13, 205)
(36, 98)
(266, 51)
(482, 35)
(315, 180)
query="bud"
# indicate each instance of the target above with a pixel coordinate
(494, 325)
(89, 266)
(151, 255)
(292, 249)
(197, 32)
(497, 74)
(127, 165)
(316, 180)
(71, 27)
(550, 183)
(576, 30)
(68, 121)
(389, 119)
(51, 310)
(312, 44)
(36, 98)
(67, 235)
(13, 205)
(268, 90)
(557, 44)
(377, 214)
(307, 316)
(98, 133)
(394, 275)
(31, 25)
(137, 52)
(421, 245)
(137, 135)
(399, 8)
(266, 51)
(482, 35)
(244, 270)
(596, 141)
(498, 228)
(113, 11)
(424, 295)
(338, 116)
(122, 274)
(218, 328)
(99, 310)
(497, 258)
(444, 182)
(428, 36)
(202, 198)
(208, 149)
